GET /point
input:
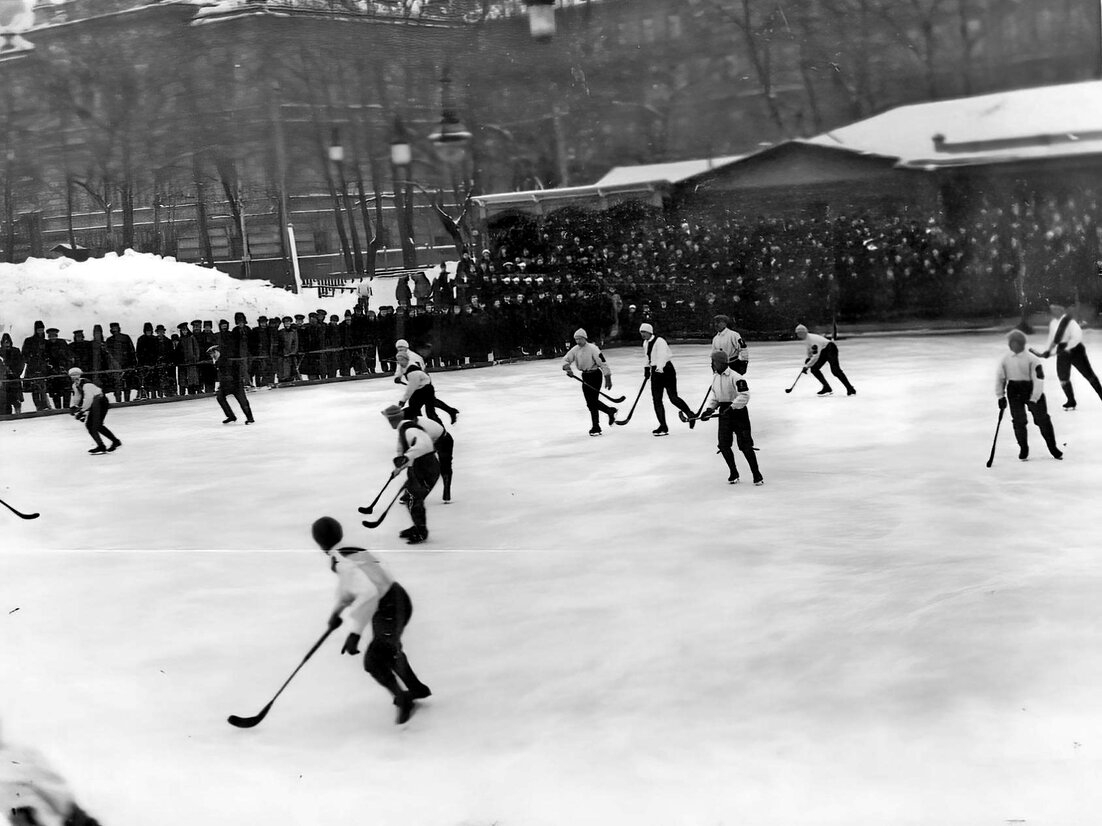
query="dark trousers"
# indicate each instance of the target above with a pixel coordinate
(37, 389)
(420, 480)
(829, 355)
(591, 390)
(1075, 357)
(445, 449)
(93, 422)
(666, 381)
(734, 424)
(384, 659)
(425, 398)
(237, 390)
(1017, 398)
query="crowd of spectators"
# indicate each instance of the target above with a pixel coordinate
(608, 272)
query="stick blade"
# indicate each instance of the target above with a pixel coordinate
(367, 523)
(366, 510)
(30, 515)
(248, 722)
(617, 399)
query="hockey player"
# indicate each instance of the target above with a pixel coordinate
(1020, 382)
(229, 383)
(589, 359)
(820, 352)
(417, 446)
(663, 377)
(1066, 338)
(405, 359)
(730, 343)
(90, 405)
(729, 396)
(420, 392)
(371, 595)
(32, 793)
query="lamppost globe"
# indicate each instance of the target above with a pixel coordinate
(541, 19)
(401, 153)
(451, 139)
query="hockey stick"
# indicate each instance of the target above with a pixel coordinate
(1038, 353)
(20, 514)
(375, 501)
(249, 722)
(367, 523)
(614, 400)
(699, 411)
(991, 458)
(793, 387)
(646, 378)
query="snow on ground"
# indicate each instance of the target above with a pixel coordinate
(138, 287)
(886, 632)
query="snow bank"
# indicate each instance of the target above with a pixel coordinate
(138, 287)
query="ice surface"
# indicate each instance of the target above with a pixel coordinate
(886, 632)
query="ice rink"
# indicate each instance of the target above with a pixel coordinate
(886, 632)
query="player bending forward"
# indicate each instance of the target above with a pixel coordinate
(425, 452)
(730, 394)
(1020, 382)
(370, 595)
(90, 406)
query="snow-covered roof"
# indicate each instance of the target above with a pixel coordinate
(673, 172)
(1024, 124)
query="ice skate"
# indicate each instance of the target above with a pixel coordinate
(826, 391)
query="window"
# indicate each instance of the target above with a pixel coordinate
(648, 30)
(673, 23)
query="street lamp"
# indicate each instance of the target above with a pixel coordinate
(541, 19)
(451, 137)
(336, 156)
(401, 157)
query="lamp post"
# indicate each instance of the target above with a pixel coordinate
(541, 19)
(401, 157)
(336, 157)
(451, 137)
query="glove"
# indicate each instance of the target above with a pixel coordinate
(335, 622)
(646, 372)
(608, 382)
(397, 379)
(80, 415)
(351, 645)
(803, 371)
(566, 368)
(707, 414)
(1046, 354)
(400, 462)
(1002, 403)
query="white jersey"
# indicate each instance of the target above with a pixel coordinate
(815, 346)
(414, 360)
(730, 343)
(586, 357)
(730, 388)
(1072, 335)
(1023, 366)
(657, 356)
(421, 436)
(362, 582)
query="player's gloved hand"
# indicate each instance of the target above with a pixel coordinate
(646, 372)
(335, 622)
(566, 368)
(80, 415)
(397, 379)
(400, 462)
(608, 382)
(1002, 403)
(707, 414)
(351, 645)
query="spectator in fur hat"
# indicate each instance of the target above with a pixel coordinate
(37, 366)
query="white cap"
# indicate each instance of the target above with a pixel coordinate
(582, 333)
(800, 329)
(75, 372)
(402, 344)
(645, 327)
